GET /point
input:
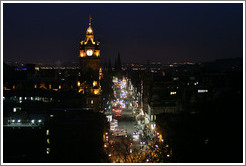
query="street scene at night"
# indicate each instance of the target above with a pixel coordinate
(153, 83)
(129, 140)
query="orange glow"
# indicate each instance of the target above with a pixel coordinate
(92, 40)
(97, 53)
(35, 86)
(49, 86)
(89, 30)
(42, 85)
(100, 73)
(59, 86)
(94, 83)
(82, 54)
(78, 83)
(81, 90)
(160, 138)
(5, 88)
(96, 91)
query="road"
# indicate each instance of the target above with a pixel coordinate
(125, 139)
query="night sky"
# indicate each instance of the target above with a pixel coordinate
(164, 32)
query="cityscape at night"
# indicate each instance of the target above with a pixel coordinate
(123, 82)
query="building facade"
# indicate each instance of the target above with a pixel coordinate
(91, 72)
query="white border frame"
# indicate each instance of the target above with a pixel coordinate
(243, 2)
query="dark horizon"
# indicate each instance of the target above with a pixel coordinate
(157, 32)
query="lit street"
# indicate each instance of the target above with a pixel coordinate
(126, 137)
(146, 82)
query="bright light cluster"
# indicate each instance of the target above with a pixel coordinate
(202, 90)
(173, 93)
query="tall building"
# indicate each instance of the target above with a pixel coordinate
(91, 72)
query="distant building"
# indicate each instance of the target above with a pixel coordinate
(60, 135)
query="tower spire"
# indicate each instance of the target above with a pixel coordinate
(90, 18)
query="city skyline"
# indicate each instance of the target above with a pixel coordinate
(171, 93)
(182, 32)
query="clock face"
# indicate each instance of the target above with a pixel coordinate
(89, 52)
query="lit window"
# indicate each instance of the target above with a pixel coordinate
(96, 91)
(14, 109)
(97, 53)
(173, 93)
(91, 101)
(48, 150)
(78, 83)
(47, 132)
(48, 141)
(82, 54)
(94, 83)
(202, 90)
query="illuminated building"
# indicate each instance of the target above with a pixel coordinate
(90, 57)
(91, 73)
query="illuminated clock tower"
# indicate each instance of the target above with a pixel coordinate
(91, 73)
